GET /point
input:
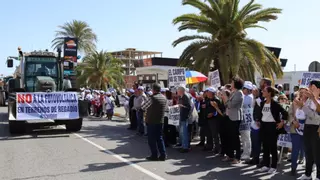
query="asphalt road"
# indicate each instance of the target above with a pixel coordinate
(106, 150)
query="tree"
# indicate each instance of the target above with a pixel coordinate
(79, 29)
(100, 69)
(222, 41)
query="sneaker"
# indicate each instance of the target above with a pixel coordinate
(272, 171)
(304, 177)
(264, 169)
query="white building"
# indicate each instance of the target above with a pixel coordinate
(289, 80)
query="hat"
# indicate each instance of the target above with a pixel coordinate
(187, 90)
(254, 87)
(150, 93)
(280, 85)
(82, 89)
(102, 92)
(201, 93)
(87, 91)
(108, 93)
(163, 90)
(211, 89)
(248, 85)
(141, 88)
(131, 91)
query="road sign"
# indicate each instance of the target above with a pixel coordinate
(314, 67)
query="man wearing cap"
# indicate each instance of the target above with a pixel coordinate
(138, 101)
(155, 109)
(213, 114)
(280, 89)
(109, 105)
(245, 125)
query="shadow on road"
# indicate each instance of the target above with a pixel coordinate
(131, 146)
(106, 166)
(31, 132)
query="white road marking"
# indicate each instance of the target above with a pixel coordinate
(139, 168)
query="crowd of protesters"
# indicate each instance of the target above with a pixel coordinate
(238, 122)
(100, 103)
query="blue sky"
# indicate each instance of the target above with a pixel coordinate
(147, 25)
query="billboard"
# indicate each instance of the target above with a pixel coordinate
(70, 49)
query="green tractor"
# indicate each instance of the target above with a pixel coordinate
(40, 75)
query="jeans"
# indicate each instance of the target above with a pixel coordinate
(297, 148)
(256, 145)
(155, 140)
(190, 133)
(140, 122)
(246, 142)
(183, 134)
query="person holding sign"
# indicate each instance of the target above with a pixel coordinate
(155, 109)
(311, 127)
(271, 117)
(185, 112)
(245, 125)
(297, 119)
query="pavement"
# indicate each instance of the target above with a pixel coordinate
(107, 150)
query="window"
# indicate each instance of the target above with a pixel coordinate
(39, 66)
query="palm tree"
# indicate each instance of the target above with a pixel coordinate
(100, 69)
(79, 29)
(222, 41)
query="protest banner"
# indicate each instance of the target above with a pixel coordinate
(214, 78)
(174, 115)
(51, 105)
(177, 77)
(307, 77)
(284, 140)
(245, 124)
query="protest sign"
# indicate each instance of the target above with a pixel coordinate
(307, 77)
(284, 140)
(174, 115)
(51, 105)
(177, 77)
(214, 78)
(300, 129)
(245, 124)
